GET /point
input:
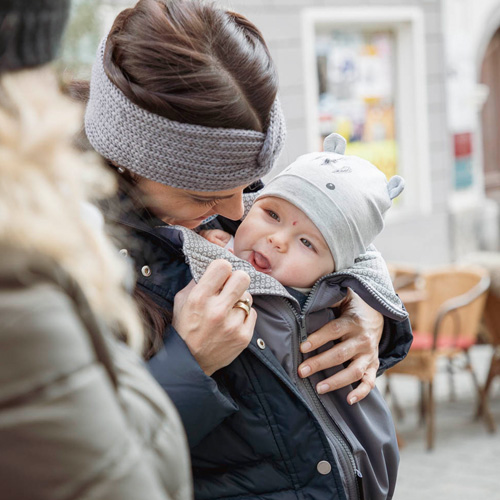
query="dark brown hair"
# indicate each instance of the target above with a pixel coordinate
(192, 62)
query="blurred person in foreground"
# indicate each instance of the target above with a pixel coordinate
(80, 417)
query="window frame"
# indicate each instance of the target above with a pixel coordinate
(407, 23)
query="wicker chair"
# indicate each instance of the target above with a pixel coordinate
(409, 285)
(492, 323)
(446, 325)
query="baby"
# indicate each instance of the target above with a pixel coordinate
(309, 230)
(305, 241)
(314, 218)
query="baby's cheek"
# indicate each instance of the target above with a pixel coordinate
(238, 252)
(240, 239)
(237, 244)
(300, 275)
(238, 249)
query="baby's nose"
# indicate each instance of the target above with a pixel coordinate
(278, 241)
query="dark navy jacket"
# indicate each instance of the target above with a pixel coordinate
(270, 445)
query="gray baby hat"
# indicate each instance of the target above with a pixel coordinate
(346, 197)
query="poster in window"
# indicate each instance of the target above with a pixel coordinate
(356, 75)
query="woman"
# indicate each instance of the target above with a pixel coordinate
(183, 105)
(80, 417)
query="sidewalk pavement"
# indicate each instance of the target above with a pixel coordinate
(465, 462)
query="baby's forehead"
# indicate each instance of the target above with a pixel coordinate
(301, 217)
(286, 208)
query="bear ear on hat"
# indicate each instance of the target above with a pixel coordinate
(334, 143)
(395, 186)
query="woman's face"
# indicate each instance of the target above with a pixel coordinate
(189, 208)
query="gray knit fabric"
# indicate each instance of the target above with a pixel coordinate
(180, 155)
(346, 197)
(369, 270)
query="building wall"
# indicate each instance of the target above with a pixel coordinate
(469, 26)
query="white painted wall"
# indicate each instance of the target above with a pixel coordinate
(468, 26)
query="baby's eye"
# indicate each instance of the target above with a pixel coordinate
(274, 215)
(307, 243)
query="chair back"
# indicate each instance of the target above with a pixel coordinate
(407, 284)
(464, 291)
(403, 276)
(492, 318)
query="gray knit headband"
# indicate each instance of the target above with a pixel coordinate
(180, 155)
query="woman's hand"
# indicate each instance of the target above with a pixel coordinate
(359, 328)
(215, 331)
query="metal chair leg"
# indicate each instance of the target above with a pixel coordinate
(430, 416)
(486, 413)
(493, 371)
(483, 406)
(397, 409)
(423, 404)
(483, 409)
(451, 380)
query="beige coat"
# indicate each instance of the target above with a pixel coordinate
(65, 430)
(80, 416)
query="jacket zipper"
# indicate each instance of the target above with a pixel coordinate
(364, 285)
(340, 442)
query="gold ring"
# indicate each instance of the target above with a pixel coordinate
(243, 304)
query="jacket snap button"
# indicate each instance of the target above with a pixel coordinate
(123, 252)
(324, 467)
(261, 343)
(146, 271)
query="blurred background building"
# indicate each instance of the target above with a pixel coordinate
(413, 85)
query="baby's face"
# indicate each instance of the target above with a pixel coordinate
(280, 240)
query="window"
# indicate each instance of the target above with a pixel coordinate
(365, 79)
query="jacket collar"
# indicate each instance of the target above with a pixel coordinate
(368, 277)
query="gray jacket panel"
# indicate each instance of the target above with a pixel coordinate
(65, 431)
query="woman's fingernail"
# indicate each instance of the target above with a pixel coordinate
(305, 346)
(353, 400)
(322, 388)
(305, 371)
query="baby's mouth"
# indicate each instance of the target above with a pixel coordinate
(260, 262)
